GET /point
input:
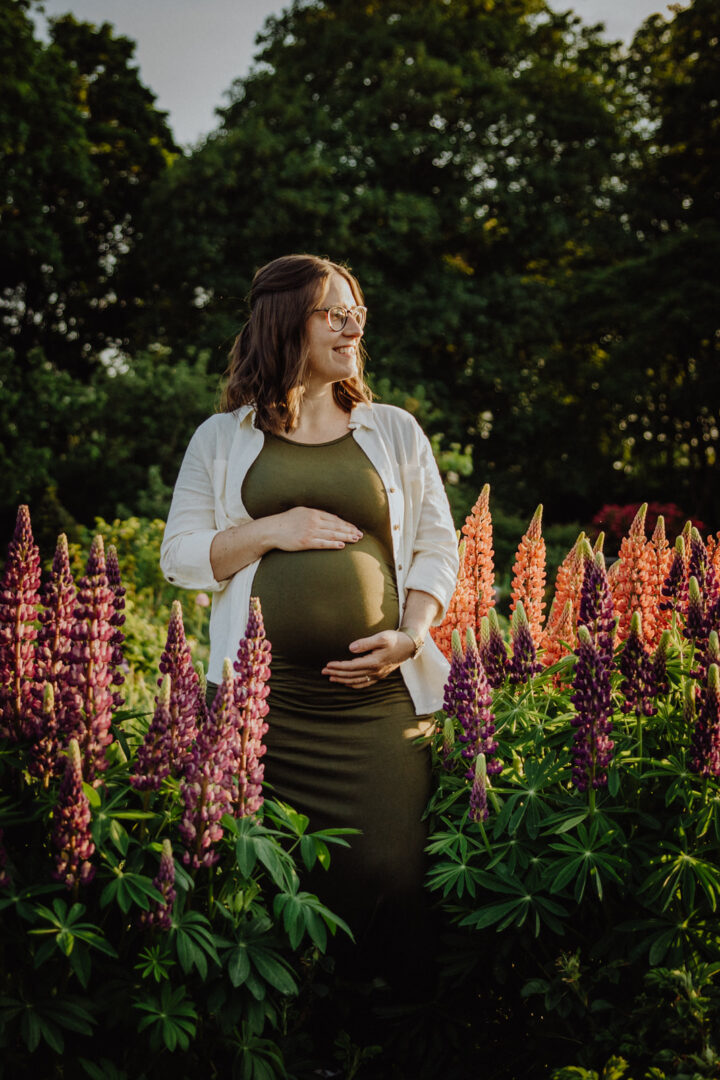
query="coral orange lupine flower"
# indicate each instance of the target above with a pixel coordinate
(713, 550)
(478, 556)
(563, 619)
(528, 584)
(460, 613)
(657, 558)
(629, 580)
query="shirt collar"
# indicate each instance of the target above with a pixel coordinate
(361, 415)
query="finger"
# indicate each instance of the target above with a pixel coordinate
(347, 667)
(368, 644)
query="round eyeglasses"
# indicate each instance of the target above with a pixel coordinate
(338, 315)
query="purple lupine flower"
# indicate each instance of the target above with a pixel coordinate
(5, 879)
(636, 668)
(705, 746)
(153, 760)
(457, 659)
(207, 787)
(448, 743)
(492, 648)
(707, 655)
(117, 619)
(703, 606)
(473, 710)
(695, 628)
(524, 663)
(85, 711)
(177, 662)
(597, 611)
(160, 914)
(251, 692)
(675, 585)
(18, 610)
(592, 746)
(478, 791)
(71, 834)
(698, 564)
(659, 682)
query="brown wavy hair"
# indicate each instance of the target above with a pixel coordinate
(267, 365)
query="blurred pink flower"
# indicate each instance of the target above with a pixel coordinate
(202, 599)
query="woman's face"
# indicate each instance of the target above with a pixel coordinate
(332, 355)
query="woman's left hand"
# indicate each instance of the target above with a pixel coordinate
(381, 654)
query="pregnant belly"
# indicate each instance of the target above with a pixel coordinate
(315, 603)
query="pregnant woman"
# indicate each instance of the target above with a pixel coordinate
(331, 510)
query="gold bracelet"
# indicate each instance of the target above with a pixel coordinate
(417, 641)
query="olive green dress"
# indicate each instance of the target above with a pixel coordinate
(342, 756)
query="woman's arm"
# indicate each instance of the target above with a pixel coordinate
(384, 652)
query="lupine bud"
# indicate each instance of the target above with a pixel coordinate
(71, 834)
(636, 669)
(528, 584)
(154, 757)
(695, 618)
(478, 791)
(592, 746)
(160, 914)
(705, 747)
(689, 710)
(659, 675)
(18, 611)
(524, 663)
(448, 743)
(493, 651)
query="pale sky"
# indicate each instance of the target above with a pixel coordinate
(189, 51)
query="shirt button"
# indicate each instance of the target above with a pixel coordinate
(399, 566)
(392, 491)
(396, 526)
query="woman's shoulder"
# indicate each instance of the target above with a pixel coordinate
(221, 428)
(394, 418)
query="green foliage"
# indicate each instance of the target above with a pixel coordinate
(602, 906)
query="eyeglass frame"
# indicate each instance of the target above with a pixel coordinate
(348, 313)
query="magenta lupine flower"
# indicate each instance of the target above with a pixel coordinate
(636, 667)
(478, 791)
(676, 583)
(18, 610)
(153, 761)
(177, 662)
(592, 746)
(457, 659)
(473, 711)
(251, 692)
(705, 746)
(597, 611)
(524, 663)
(207, 787)
(160, 914)
(71, 835)
(85, 712)
(493, 651)
(117, 619)
(45, 757)
(5, 879)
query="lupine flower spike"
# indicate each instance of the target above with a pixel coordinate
(18, 610)
(705, 749)
(528, 584)
(251, 692)
(524, 663)
(478, 791)
(657, 556)
(479, 569)
(597, 613)
(493, 651)
(177, 662)
(448, 743)
(457, 659)
(86, 714)
(473, 711)
(659, 672)
(71, 834)
(592, 745)
(117, 619)
(675, 585)
(207, 786)
(630, 579)
(560, 628)
(160, 914)
(461, 609)
(154, 758)
(636, 669)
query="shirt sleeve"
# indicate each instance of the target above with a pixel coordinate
(191, 526)
(435, 563)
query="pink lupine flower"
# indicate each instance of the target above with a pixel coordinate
(176, 661)
(153, 759)
(71, 835)
(45, 757)
(160, 914)
(202, 600)
(478, 791)
(86, 711)
(207, 787)
(251, 691)
(18, 611)
(117, 619)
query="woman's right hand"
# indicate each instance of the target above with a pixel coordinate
(302, 529)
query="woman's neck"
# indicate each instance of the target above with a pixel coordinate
(321, 418)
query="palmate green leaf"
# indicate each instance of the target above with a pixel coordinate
(239, 965)
(102, 1069)
(127, 888)
(271, 966)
